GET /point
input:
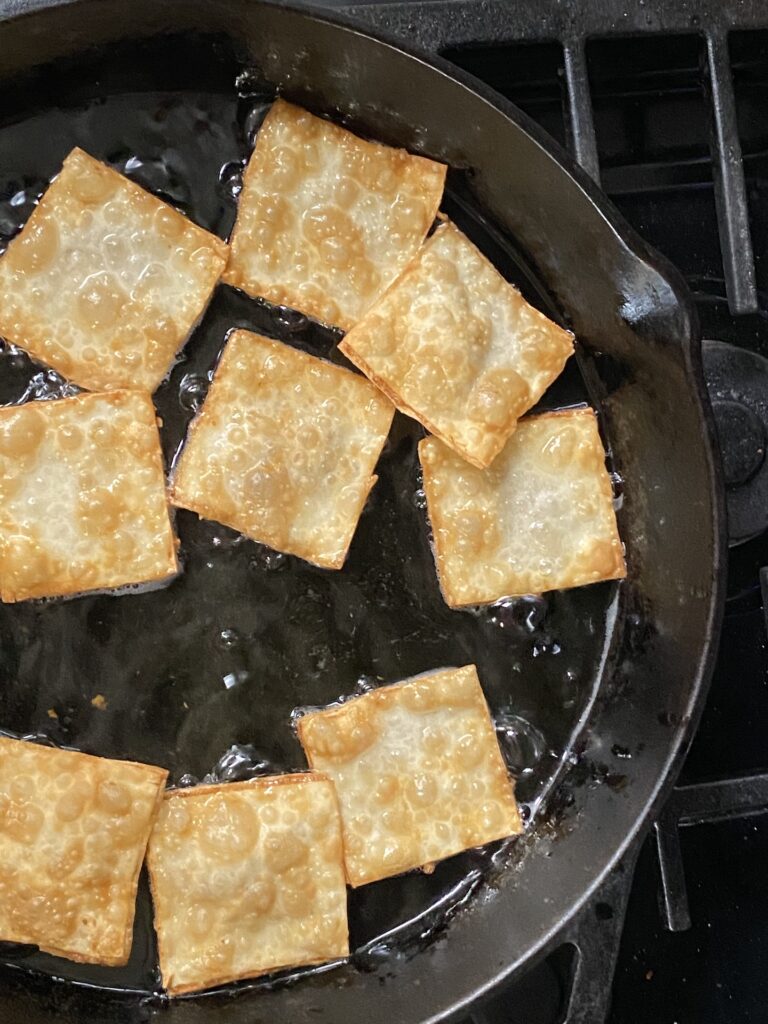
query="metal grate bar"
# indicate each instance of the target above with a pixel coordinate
(580, 122)
(674, 895)
(730, 187)
(717, 801)
(695, 805)
(437, 25)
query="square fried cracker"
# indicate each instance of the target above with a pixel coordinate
(73, 831)
(417, 770)
(540, 518)
(247, 877)
(105, 281)
(82, 496)
(327, 221)
(284, 449)
(457, 347)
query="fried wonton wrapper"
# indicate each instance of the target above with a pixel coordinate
(82, 496)
(456, 346)
(540, 518)
(326, 221)
(284, 449)
(418, 772)
(247, 878)
(105, 281)
(73, 830)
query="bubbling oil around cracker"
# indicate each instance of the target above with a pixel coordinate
(288, 634)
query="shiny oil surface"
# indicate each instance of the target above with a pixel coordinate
(202, 676)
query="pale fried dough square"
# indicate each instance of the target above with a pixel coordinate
(457, 347)
(326, 221)
(82, 496)
(284, 449)
(417, 770)
(247, 878)
(540, 518)
(73, 831)
(105, 281)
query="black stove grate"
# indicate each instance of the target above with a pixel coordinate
(455, 29)
(663, 103)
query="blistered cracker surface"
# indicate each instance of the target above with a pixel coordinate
(247, 878)
(326, 220)
(540, 518)
(105, 281)
(73, 831)
(456, 346)
(284, 449)
(418, 772)
(82, 496)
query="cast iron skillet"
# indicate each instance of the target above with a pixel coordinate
(215, 662)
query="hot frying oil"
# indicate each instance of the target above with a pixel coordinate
(202, 676)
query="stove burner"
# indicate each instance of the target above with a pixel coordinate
(737, 380)
(742, 441)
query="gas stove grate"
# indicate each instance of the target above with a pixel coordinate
(449, 28)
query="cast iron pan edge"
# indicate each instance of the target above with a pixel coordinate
(485, 945)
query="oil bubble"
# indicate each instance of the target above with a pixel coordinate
(231, 178)
(192, 391)
(239, 762)
(48, 386)
(228, 639)
(290, 320)
(367, 683)
(518, 614)
(522, 744)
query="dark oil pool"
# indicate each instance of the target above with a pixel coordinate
(202, 677)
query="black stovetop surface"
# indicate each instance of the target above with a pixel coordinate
(666, 104)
